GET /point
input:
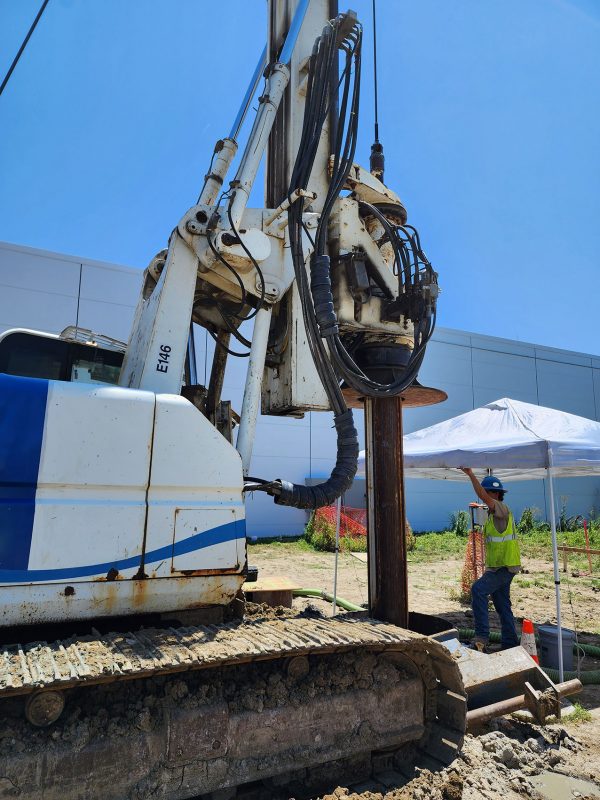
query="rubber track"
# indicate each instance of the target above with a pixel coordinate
(112, 657)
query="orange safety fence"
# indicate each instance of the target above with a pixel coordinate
(353, 521)
(474, 561)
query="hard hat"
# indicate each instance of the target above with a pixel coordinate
(493, 483)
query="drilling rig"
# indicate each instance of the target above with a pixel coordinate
(124, 502)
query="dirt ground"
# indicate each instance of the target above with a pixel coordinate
(508, 760)
(434, 586)
(503, 760)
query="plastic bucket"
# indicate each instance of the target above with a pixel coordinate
(548, 652)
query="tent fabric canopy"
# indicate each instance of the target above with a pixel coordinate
(517, 441)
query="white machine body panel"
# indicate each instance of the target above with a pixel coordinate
(92, 435)
(204, 520)
(109, 494)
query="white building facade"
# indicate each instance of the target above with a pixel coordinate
(49, 291)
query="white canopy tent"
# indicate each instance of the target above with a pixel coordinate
(517, 441)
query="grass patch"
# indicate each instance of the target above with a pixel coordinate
(435, 546)
(280, 546)
(537, 541)
(460, 597)
(430, 546)
(578, 715)
(541, 583)
(523, 584)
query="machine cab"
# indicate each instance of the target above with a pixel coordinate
(74, 355)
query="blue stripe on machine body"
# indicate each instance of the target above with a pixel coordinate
(22, 415)
(219, 535)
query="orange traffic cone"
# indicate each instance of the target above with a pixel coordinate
(528, 640)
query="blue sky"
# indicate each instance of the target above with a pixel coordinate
(488, 112)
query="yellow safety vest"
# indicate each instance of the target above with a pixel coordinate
(501, 549)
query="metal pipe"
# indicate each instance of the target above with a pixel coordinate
(287, 203)
(292, 37)
(480, 715)
(217, 374)
(338, 514)
(250, 91)
(370, 492)
(254, 376)
(388, 577)
(259, 136)
(226, 150)
(561, 671)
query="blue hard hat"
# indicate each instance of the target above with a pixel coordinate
(493, 483)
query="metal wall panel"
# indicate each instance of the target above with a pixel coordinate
(28, 308)
(596, 386)
(35, 270)
(497, 375)
(568, 387)
(101, 317)
(110, 284)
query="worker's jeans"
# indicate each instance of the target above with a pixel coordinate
(496, 584)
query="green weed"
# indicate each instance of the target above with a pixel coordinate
(320, 534)
(464, 598)
(460, 523)
(523, 584)
(578, 715)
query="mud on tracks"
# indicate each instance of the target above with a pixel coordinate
(276, 694)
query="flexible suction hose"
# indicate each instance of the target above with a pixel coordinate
(340, 480)
(345, 604)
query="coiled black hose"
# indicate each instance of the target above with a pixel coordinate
(340, 480)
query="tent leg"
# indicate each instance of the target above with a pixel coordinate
(556, 575)
(338, 514)
(386, 514)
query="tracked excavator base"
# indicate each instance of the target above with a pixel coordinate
(270, 701)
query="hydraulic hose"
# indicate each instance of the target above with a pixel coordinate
(343, 35)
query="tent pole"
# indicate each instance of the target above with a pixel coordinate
(338, 513)
(556, 569)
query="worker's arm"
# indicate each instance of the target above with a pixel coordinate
(479, 490)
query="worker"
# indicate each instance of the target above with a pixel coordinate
(502, 563)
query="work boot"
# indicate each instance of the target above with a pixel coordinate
(479, 643)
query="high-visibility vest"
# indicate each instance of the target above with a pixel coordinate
(501, 549)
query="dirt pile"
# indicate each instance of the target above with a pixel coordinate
(497, 764)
